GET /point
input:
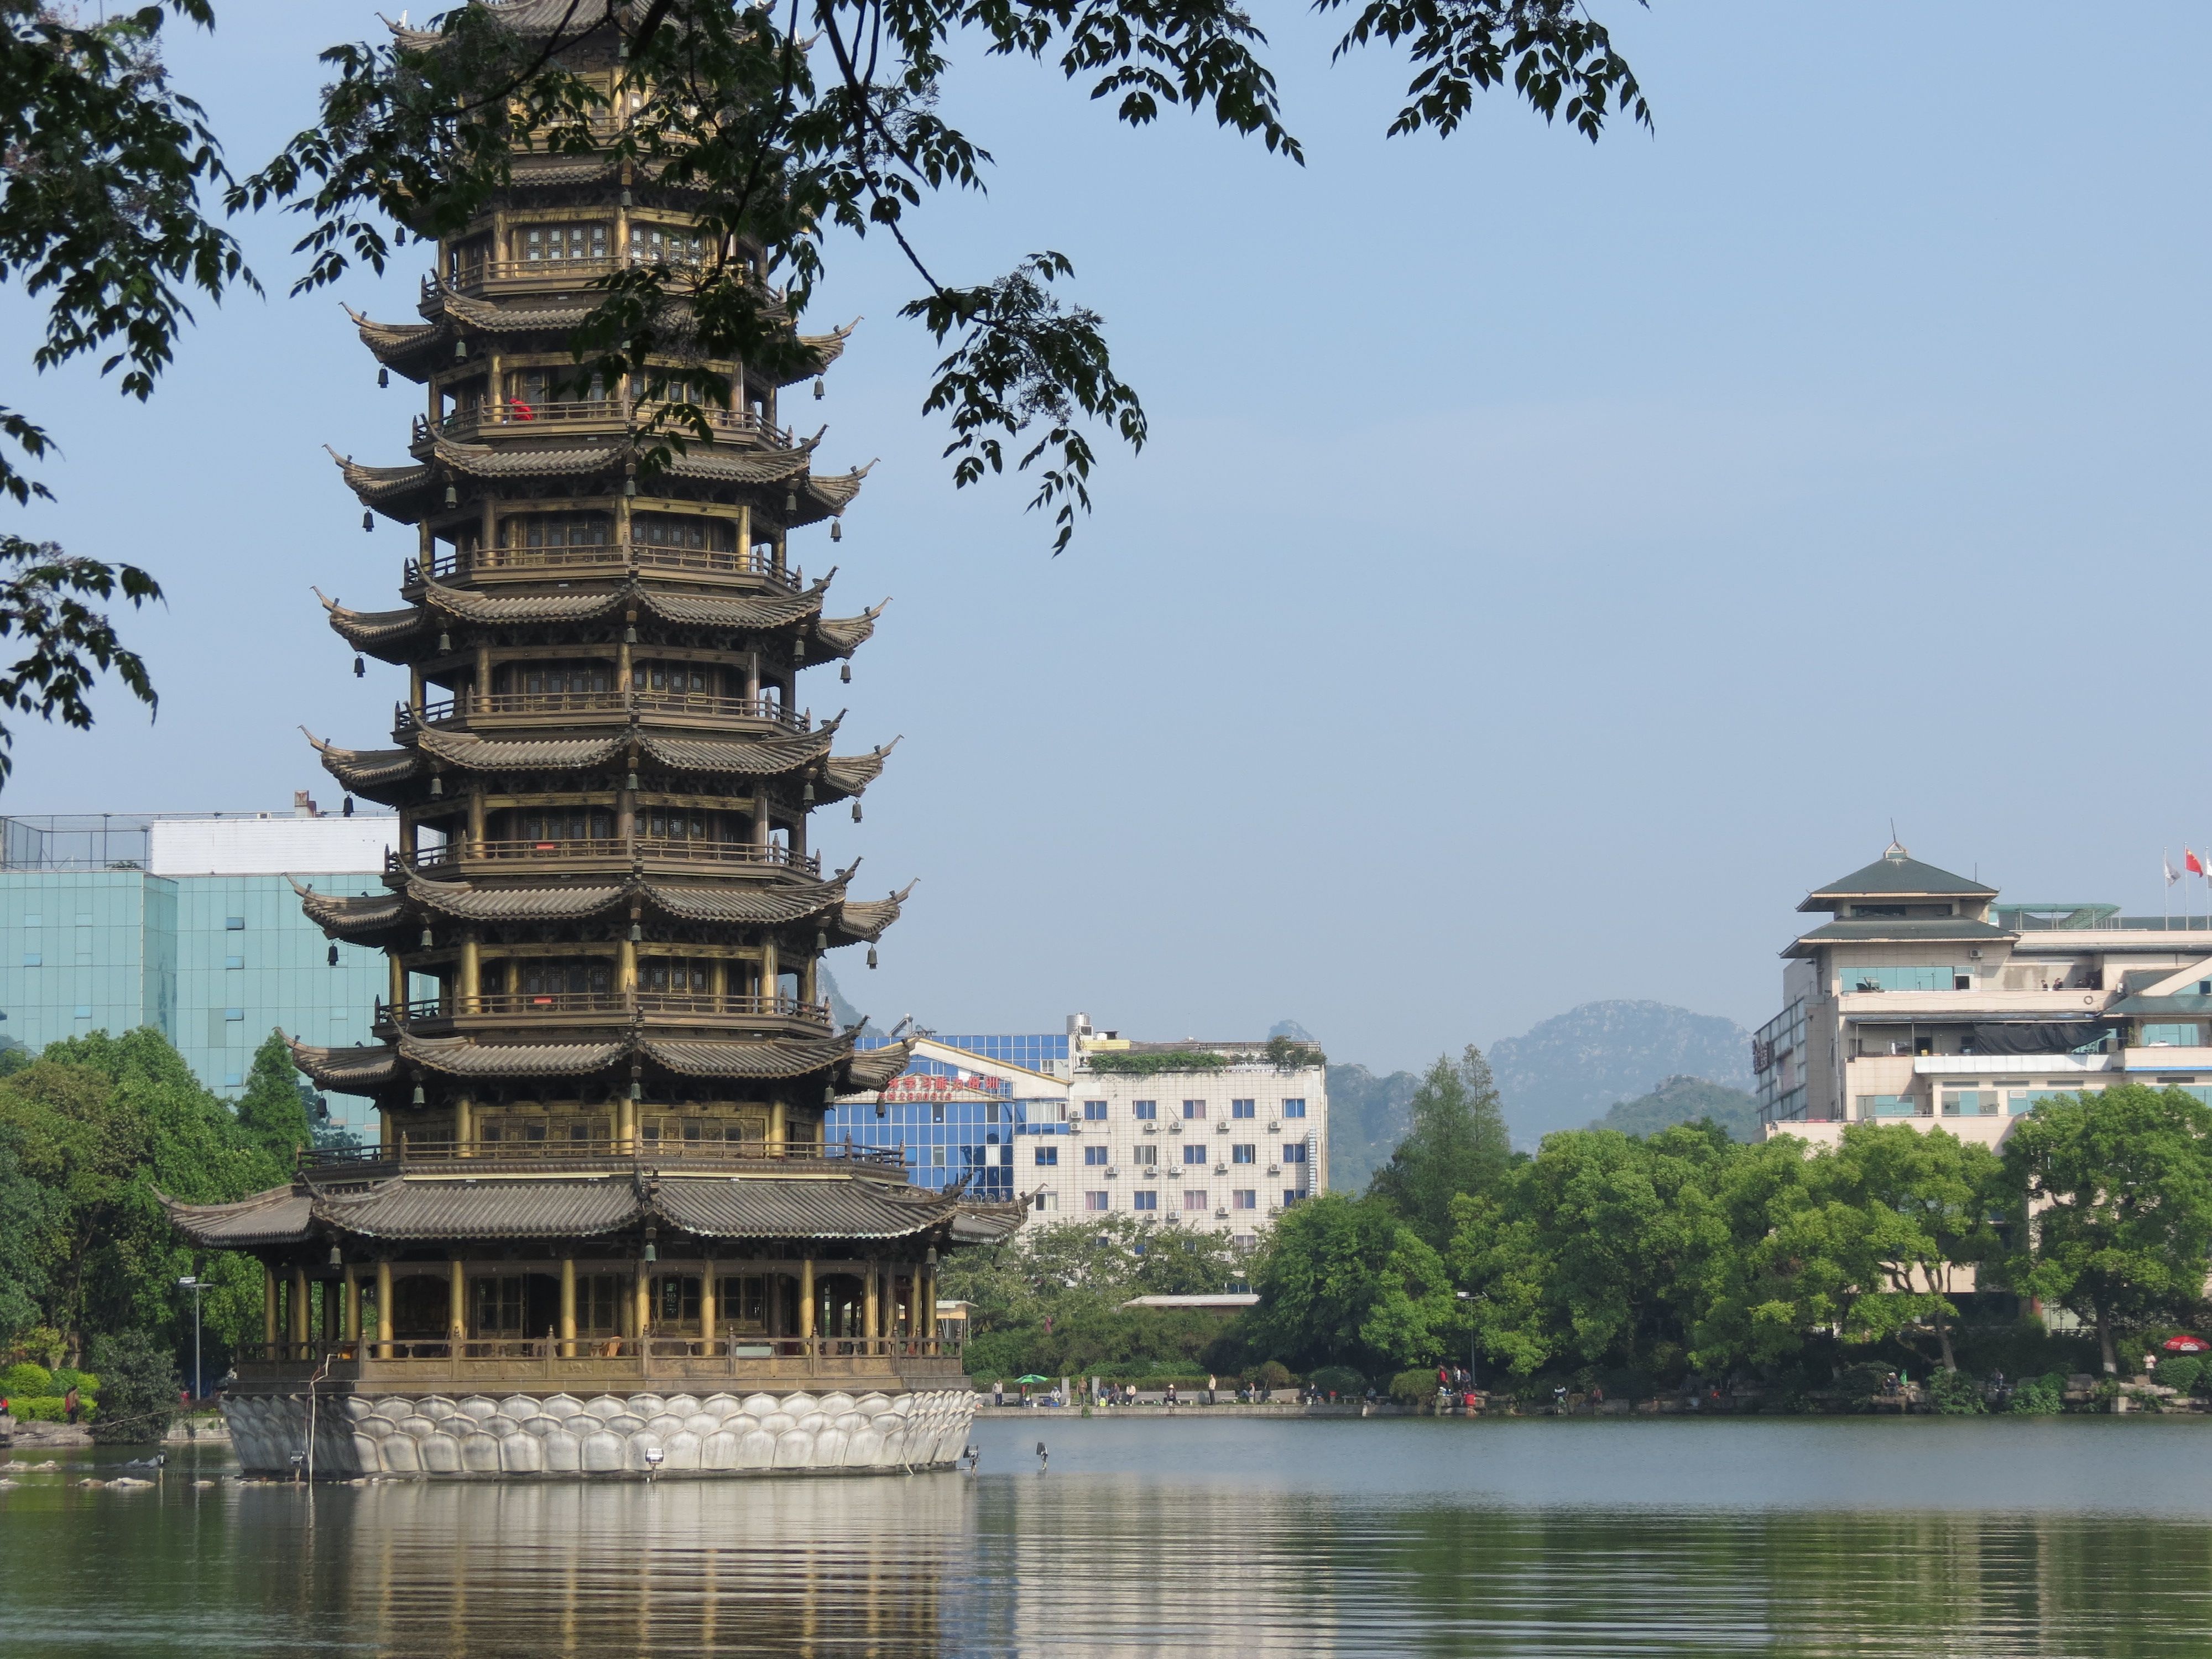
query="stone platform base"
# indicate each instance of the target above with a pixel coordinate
(563, 1437)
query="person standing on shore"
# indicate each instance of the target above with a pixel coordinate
(71, 1404)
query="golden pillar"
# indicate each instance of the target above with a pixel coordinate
(806, 1297)
(398, 982)
(642, 1313)
(352, 1332)
(779, 1123)
(925, 1302)
(471, 950)
(385, 1135)
(457, 1303)
(383, 1308)
(465, 1126)
(707, 1310)
(626, 1125)
(567, 1306)
(481, 685)
(298, 1309)
(475, 823)
(268, 1305)
(760, 816)
(768, 973)
(873, 1301)
(745, 537)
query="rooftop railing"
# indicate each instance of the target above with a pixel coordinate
(512, 415)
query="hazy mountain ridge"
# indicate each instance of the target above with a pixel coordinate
(1368, 1116)
(1576, 1066)
(1685, 1100)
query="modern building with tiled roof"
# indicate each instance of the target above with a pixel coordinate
(1923, 1000)
(602, 1229)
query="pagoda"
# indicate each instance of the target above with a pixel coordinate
(602, 1230)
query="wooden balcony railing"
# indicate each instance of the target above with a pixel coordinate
(599, 1153)
(498, 704)
(607, 849)
(596, 1358)
(533, 1003)
(512, 415)
(759, 562)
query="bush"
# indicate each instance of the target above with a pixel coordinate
(27, 1379)
(1339, 1380)
(1414, 1387)
(45, 1408)
(139, 1389)
(82, 1382)
(1954, 1394)
(2041, 1396)
(2181, 1373)
(1273, 1374)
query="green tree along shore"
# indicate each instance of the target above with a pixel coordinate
(90, 1130)
(1648, 1264)
(1641, 1264)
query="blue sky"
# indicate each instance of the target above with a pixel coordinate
(1550, 560)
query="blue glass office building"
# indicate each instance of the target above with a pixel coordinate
(108, 922)
(972, 1126)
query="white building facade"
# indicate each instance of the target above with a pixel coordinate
(1925, 1001)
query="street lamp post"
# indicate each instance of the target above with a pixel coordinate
(192, 1283)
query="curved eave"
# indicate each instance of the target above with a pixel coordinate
(863, 921)
(820, 350)
(844, 776)
(409, 350)
(379, 775)
(840, 636)
(363, 1070)
(384, 634)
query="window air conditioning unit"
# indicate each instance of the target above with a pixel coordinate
(1274, 1128)
(1221, 1169)
(1221, 1214)
(1175, 1128)
(1222, 1127)
(1274, 1169)
(1110, 1174)
(1151, 1129)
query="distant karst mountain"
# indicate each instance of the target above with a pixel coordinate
(1575, 1066)
(1368, 1116)
(1685, 1100)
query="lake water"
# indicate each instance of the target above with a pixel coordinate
(2072, 1536)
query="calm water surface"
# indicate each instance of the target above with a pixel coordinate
(2080, 1536)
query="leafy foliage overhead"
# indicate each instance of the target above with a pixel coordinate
(791, 124)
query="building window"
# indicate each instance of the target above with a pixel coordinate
(1194, 1153)
(1291, 1196)
(233, 961)
(233, 1079)
(1294, 1108)
(1145, 1111)
(84, 1010)
(1048, 1156)
(1872, 1106)
(1244, 1108)
(1094, 1111)
(990, 1111)
(1295, 1152)
(1246, 1154)
(1047, 1200)
(1097, 1201)
(2026, 1100)
(1094, 1155)
(235, 924)
(1144, 1199)
(1970, 1103)
(1244, 1198)
(1145, 1154)
(936, 1156)
(1194, 1199)
(1921, 978)
(31, 959)
(1193, 1109)
(2170, 1036)
(234, 1013)
(937, 1111)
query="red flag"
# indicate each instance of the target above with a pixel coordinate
(2192, 863)
(522, 411)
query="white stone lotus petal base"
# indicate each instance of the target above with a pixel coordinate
(479, 1437)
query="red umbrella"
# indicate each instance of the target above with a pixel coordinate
(2186, 1344)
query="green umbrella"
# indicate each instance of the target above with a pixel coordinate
(1032, 1379)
